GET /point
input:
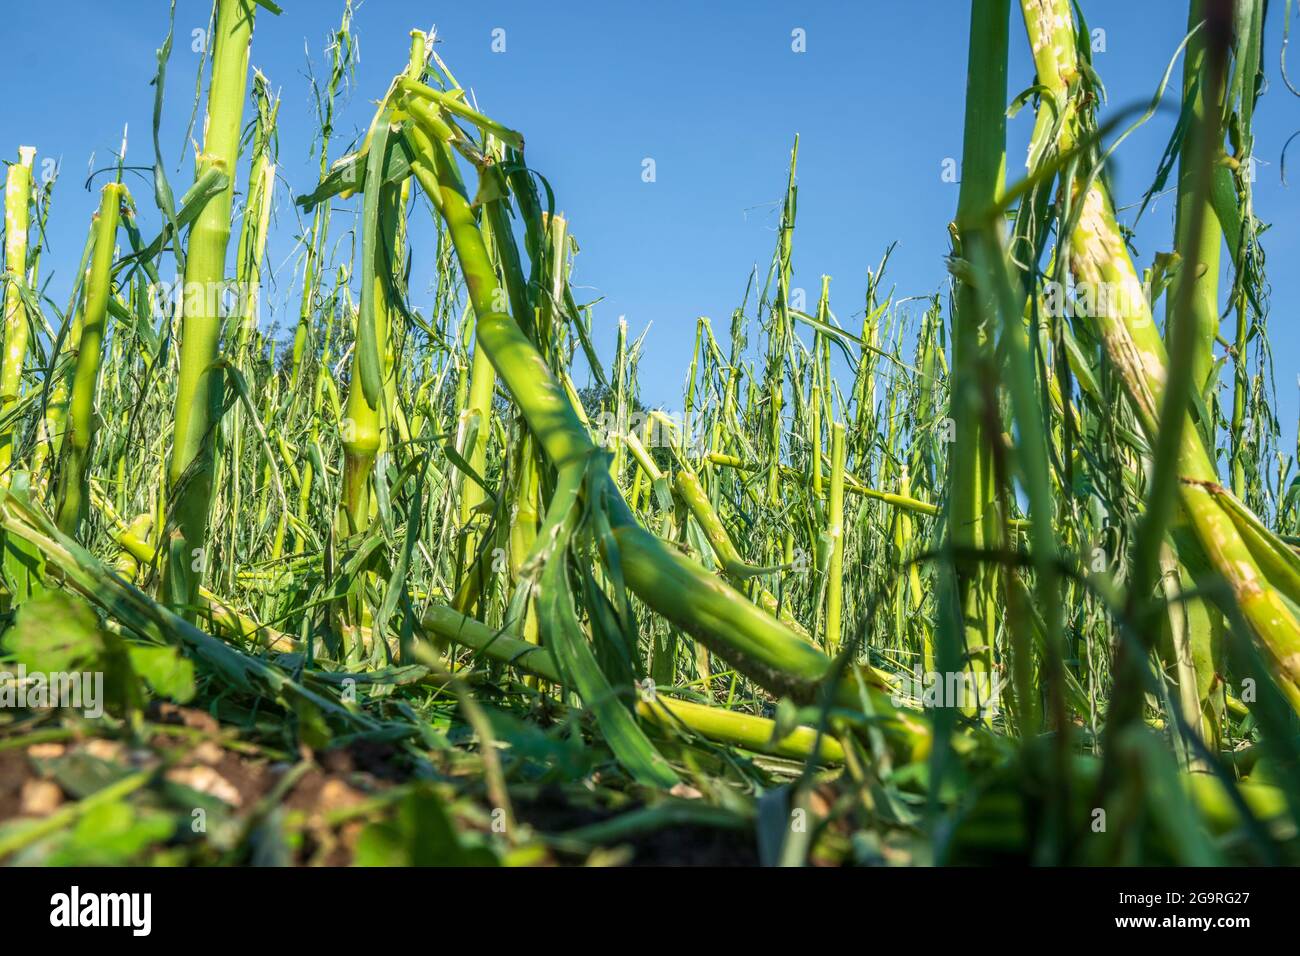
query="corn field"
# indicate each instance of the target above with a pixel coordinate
(1006, 570)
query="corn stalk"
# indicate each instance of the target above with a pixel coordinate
(1250, 562)
(18, 200)
(199, 392)
(72, 494)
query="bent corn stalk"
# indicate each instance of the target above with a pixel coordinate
(723, 726)
(708, 609)
(1098, 256)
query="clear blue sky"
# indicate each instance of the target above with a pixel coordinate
(712, 92)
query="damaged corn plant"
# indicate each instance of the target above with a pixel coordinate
(1003, 571)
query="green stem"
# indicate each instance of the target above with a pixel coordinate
(79, 439)
(724, 726)
(198, 389)
(835, 529)
(972, 516)
(18, 201)
(1198, 236)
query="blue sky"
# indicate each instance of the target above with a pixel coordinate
(712, 92)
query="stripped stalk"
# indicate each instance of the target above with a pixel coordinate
(835, 529)
(199, 392)
(972, 516)
(1202, 269)
(73, 496)
(18, 200)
